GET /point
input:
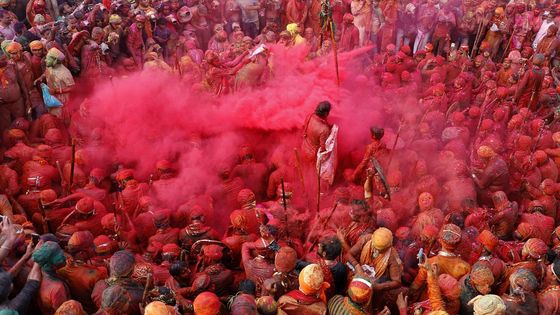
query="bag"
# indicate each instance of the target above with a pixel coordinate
(50, 101)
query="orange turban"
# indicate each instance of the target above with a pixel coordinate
(14, 47)
(485, 151)
(245, 196)
(481, 275)
(80, 241)
(47, 195)
(525, 230)
(157, 308)
(16, 134)
(213, 252)
(238, 220)
(488, 240)
(70, 307)
(206, 303)
(85, 205)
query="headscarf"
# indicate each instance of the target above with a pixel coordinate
(206, 303)
(489, 304)
(121, 264)
(70, 307)
(114, 298)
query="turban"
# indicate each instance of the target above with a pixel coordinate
(429, 232)
(245, 196)
(540, 156)
(124, 175)
(525, 279)
(382, 238)
(499, 11)
(450, 234)
(359, 290)
(488, 240)
(238, 220)
(486, 124)
(4, 44)
(489, 304)
(103, 244)
(535, 248)
(213, 252)
(53, 135)
(164, 165)
(449, 286)
(156, 308)
(36, 45)
(85, 205)
(556, 137)
(55, 53)
(481, 275)
(172, 249)
(48, 255)
(285, 259)
(39, 19)
(14, 47)
(243, 304)
(121, 264)
(485, 151)
(141, 272)
(115, 18)
(206, 303)
(161, 217)
(267, 305)
(348, 17)
(458, 117)
(70, 307)
(524, 142)
(403, 232)
(47, 195)
(525, 230)
(292, 28)
(311, 280)
(80, 241)
(16, 134)
(108, 221)
(114, 298)
(474, 112)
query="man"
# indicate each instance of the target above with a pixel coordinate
(549, 297)
(494, 176)
(529, 87)
(250, 16)
(478, 282)
(376, 251)
(120, 270)
(13, 94)
(448, 262)
(522, 299)
(547, 22)
(59, 79)
(358, 296)
(361, 224)
(309, 298)
(135, 40)
(296, 12)
(7, 25)
(80, 276)
(53, 291)
(549, 44)
(316, 131)
(350, 38)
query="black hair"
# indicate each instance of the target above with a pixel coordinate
(331, 247)
(377, 133)
(248, 287)
(360, 203)
(177, 268)
(323, 109)
(457, 219)
(556, 268)
(161, 21)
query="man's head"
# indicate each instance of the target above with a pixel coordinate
(376, 133)
(323, 109)
(358, 210)
(425, 201)
(538, 60)
(180, 271)
(329, 247)
(49, 256)
(482, 278)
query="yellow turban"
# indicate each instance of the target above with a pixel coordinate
(115, 18)
(311, 281)
(485, 151)
(382, 238)
(489, 304)
(292, 28)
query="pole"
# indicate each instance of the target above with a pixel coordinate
(335, 50)
(322, 229)
(72, 165)
(285, 209)
(319, 186)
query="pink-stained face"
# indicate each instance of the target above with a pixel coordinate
(425, 201)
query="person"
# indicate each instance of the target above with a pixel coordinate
(14, 94)
(53, 290)
(495, 174)
(21, 302)
(376, 251)
(59, 79)
(478, 282)
(250, 16)
(316, 131)
(549, 297)
(530, 85)
(309, 297)
(488, 304)
(357, 299)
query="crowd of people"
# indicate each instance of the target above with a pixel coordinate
(451, 208)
